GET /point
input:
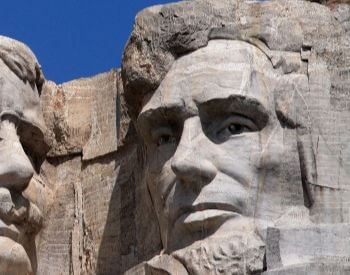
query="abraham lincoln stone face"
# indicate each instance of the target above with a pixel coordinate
(21, 146)
(218, 155)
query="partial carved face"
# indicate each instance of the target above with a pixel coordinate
(217, 154)
(20, 218)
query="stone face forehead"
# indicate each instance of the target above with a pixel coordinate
(224, 55)
(21, 80)
(18, 97)
(222, 69)
(164, 33)
(21, 61)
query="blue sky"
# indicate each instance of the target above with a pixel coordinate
(72, 38)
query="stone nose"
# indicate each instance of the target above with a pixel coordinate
(194, 171)
(191, 162)
(16, 170)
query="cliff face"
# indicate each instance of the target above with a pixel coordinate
(101, 220)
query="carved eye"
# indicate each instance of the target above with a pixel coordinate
(235, 125)
(165, 139)
(236, 129)
(163, 136)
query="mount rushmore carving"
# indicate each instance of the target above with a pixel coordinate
(221, 146)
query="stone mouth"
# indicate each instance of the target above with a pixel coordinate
(18, 215)
(20, 221)
(9, 231)
(205, 215)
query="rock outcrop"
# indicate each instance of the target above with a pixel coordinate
(220, 147)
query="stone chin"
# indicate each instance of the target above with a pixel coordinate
(20, 221)
(232, 252)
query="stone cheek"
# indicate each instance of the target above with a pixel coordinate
(21, 219)
(201, 182)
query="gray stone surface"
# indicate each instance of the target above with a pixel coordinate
(217, 148)
(196, 74)
(22, 149)
(220, 147)
(101, 221)
(313, 269)
(297, 246)
(82, 115)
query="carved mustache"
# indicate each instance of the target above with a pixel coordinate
(18, 210)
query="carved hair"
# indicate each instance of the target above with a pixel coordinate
(164, 33)
(21, 61)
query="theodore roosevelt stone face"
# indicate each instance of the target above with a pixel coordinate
(21, 133)
(216, 149)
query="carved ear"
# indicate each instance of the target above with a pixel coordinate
(292, 112)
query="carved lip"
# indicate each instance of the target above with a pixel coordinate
(205, 215)
(19, 218)
(9, 231)
(15, 221)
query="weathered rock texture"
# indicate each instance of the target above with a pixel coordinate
(302, 38)
(82, 115)
(101, 220)
(23, 147)
(98, 215)
(307, 45)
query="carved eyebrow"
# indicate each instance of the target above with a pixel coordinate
(240, 104)
(163, 111)
(159, 116)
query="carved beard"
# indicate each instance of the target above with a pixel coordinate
(236, 253)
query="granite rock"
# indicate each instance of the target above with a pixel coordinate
(220, 147)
